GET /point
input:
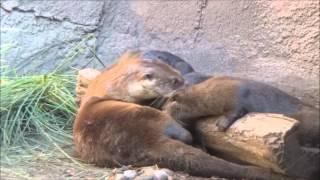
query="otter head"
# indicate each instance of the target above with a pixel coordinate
(151, 80)
(134, 80)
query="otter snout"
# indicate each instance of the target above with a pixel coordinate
(175, 95)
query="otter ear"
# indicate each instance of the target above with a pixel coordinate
(148, 76)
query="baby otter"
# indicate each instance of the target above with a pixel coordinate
(234, 97)
(133, 80)
(114, 133)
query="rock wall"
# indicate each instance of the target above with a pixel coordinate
(271, 41)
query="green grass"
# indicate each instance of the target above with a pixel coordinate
(37, 111)
(36, 116)
(34, 105)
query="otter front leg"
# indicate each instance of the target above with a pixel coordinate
(226, 120)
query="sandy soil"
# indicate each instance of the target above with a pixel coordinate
(64, 169)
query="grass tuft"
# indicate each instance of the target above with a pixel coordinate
(36, 115)
(33, 105)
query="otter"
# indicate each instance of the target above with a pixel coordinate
(133, 80)
(232, 98)
(190, 76)
(112, 133)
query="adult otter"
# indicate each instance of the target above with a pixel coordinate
(114, 133)
(133, 80)
(234, 97)
(190, 76)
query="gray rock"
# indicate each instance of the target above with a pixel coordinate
(168, 171)
(120, 177)
(124, 168)
(130, 174)
(161, 175)
(9, 5)
(78, 12)
(270, 41)
(145, 177)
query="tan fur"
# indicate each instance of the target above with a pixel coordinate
(233, 97)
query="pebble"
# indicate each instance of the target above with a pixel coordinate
(120, 177)
(145, 178)
(161, 175)
(148, 173)
(120, 170)
(124, 168)
(168, 171)
(130, 174)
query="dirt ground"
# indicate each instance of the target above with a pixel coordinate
(64, 169)
(63, 164)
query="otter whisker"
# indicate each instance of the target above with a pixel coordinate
(154, 101)
(159, 102)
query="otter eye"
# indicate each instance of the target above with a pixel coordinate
(175, 81)
(148, 76)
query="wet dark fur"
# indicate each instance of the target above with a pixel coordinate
(168, 58)
(195, 78)
(190, 76)
(234, 97)
(114, 133)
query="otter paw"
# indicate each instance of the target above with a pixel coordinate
(222, 123)
(175, 131)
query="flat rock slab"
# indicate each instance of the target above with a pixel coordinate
(262, 139)
(83, 79)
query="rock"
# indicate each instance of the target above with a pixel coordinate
(271, 41)
(263, 139)
(168, 171)
(9, 5)
(161, 175)
(144, 177)
(83, 79)
(124, 168)
(130, 174)
(120, 177)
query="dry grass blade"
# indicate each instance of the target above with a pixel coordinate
(36, 115)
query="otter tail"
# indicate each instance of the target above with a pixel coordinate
(181, 157)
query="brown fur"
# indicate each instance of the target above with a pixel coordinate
(127, 80)
(114, 133)
(234, 97)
